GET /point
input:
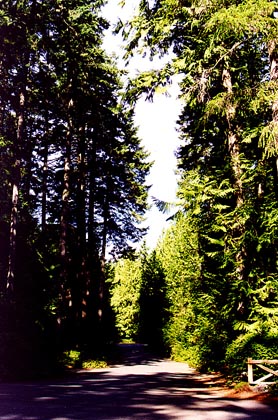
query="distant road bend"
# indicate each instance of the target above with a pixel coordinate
(144, 387)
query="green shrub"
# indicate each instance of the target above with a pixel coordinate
(273, 389)
(190, 355)
(242, 387)
(94, 364)
(71, 359)
(81, 360)
(254, 345)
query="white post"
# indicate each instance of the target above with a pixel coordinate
(250, 370)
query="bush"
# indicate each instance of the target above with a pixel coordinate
(189, 355)
(242, 387)
(82, 360)
(71, 359)
(24, 356)
(273, 389)
(94, 364)
(254, 345)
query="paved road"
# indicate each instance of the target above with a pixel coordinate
(142, 388)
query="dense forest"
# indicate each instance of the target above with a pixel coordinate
(73, 185)
(72, 179)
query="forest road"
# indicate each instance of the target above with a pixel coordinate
(144, 387)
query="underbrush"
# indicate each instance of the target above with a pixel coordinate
(255, 345)
(79, 360)
(213, 354)
(26, 357)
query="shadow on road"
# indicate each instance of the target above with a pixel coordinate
(135, 354)
(153, 389)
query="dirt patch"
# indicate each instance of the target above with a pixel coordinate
(218, 383)
(263, 397)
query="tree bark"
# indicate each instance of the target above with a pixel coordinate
(16, 177)
(44, 174)
(81, 293)
(273, 57)
(233, 140)
(234, 153)
(101, 289)
(65, 294)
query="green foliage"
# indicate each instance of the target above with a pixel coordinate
(71, 358)
(94, 364)
(226, 283)
(77, 164)
(178, 255)
(138, 299)
(242, 387)
(273, 389)
(77, 359)
(125, 293)
(209, 291)
(153, 303)
(255, 345)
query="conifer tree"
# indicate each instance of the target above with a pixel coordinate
(78, 178)
(227, 139)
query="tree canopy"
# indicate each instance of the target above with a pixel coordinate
(73, 182)
(73, 173)
(226, 55)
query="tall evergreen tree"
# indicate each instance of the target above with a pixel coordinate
(78, 169)
(222, 51)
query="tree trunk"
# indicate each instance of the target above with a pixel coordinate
(65, 294)
(101, 289)
(234, 153)
(273, 57)
(91, 210)
(92, 272)
(233, 140)
(16, 176)
(80, 287)
(44, 174)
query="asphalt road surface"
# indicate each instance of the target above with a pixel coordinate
(142, 388)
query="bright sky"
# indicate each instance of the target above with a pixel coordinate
(156, 123)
